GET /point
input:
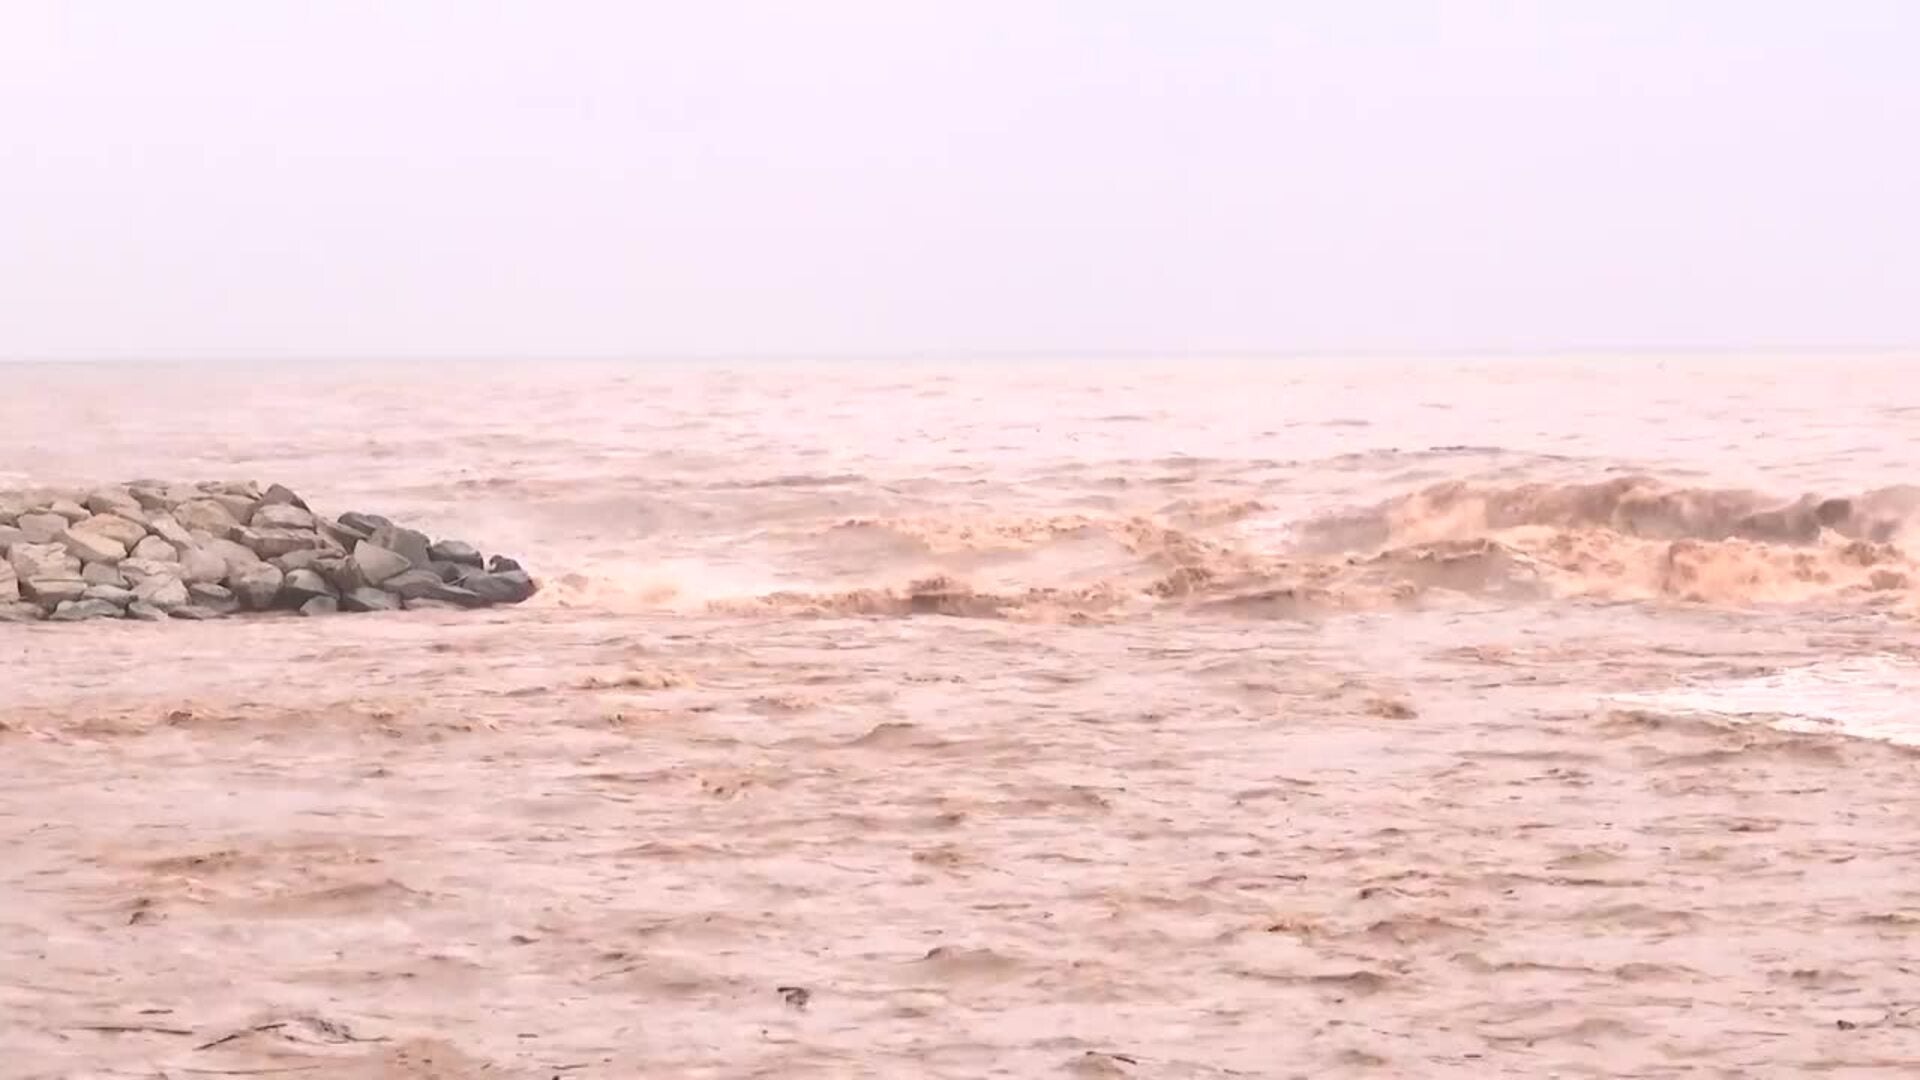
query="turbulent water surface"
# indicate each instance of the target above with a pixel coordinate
(1517, 718)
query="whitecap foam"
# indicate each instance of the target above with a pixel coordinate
(1871, 697)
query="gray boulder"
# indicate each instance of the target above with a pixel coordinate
(272, 543)
(304, 559)
(114, 501)
(456, 551)
(505, 587)
(205, 515)
(302, 585)
(257, 586)
(102, 574)
(427, 604)
(145, 612)
(48, 591)
(343, 574)
(279, 495)
(138, 570)
(69, 509)
(369, 599)
(9, 584)
(91, 547)
(320, 605)
(239, 507)
(17, 612)
(237, 557)
(426, 585)
(280, 516)
(168, 528)
(156, 549)
(200, 566)
(81, 610)
(340, 534)
(165, 593)
(154, 497)
(410, 544)
(41, 528)
(500, 564)
(112, 594)
(194, 613)
(377, 563)
(215, 598)
(42, 561)
(9, 536)
(364, 523)
(238, 489)
(122, 530)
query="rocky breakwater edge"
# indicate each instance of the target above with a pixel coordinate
(155, 551)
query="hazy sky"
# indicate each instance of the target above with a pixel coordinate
(389, 177)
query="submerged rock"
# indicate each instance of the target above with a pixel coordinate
(369, 599)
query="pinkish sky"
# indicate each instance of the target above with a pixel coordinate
(408, 177)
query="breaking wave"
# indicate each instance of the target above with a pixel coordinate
(1631, 538)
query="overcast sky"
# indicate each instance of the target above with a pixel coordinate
(408, 177)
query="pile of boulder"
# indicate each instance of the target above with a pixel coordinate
(154, 551)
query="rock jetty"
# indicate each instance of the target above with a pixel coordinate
(154, 551)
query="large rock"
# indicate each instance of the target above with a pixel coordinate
(114, 501)
(278, 495)
(343, 574)
(168, 528)
(102, 574)
(426, 585)
(158, 550)
(302, 585)
(505, 587)
(500, 564)
(9, 584)
(369, 599)
(122, 530)
(21, 612)
(91, 547)
(410, 544)
(112, 594)
(378, 563)
(257, 586)
(364, 523)
(155, 497)
(69, 509)
(340, 534)
(304, 559)
(48, 591)
(214, 598)
(81, 610)
(138, 570)
(200, 566)
(280, 516)
(237, 501)
(456, 551)
(426, 604)
(43, 561)
(241, 489)
(41, 528)
(237, 556)
(165, 593)
(145, 612)
(9, 536)
(272, 543)
(320, 605)
(205, 515)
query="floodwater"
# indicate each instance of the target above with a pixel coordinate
(1086, 719)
